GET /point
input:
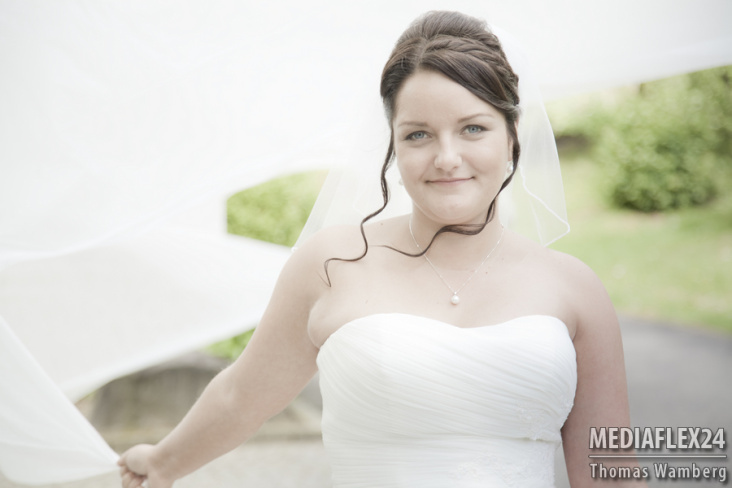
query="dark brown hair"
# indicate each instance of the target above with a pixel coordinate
(461, 48)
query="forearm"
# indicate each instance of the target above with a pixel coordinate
(218, 422)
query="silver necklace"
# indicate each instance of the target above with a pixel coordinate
(455, 298)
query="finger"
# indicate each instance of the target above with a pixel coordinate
(133, 481)
(130, 479)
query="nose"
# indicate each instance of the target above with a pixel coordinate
(448, 156)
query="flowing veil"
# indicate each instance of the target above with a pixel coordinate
(124, 126)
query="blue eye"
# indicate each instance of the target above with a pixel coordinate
(415, 136)
(474, 129)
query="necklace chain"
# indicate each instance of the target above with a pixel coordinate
(455, 299)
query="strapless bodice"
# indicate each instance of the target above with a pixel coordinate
(410, 401)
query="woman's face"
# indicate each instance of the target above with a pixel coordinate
(452, 149)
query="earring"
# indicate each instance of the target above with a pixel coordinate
(509, 168)
(401, 182)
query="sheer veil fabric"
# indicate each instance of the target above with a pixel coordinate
(125, 126)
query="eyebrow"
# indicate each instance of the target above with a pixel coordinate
(479, 114)
(412, 123)
(460, 120)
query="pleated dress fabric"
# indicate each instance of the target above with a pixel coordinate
(412, 401)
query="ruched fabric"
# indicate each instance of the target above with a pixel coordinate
(412, 401)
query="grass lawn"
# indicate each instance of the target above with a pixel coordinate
(674, 266)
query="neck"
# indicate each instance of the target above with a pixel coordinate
(452, 250)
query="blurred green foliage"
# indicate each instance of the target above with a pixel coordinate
(663, 146)
(666, 145)
(276, 212)
(673, 266)
(231, 348)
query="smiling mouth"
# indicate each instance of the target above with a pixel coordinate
(450, 181)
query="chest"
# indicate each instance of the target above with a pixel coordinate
(387, 282)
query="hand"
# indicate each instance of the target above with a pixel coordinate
(137, 471)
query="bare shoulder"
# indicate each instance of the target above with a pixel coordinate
(303, 279)
(588, 304)
(339, 242)
(347, 241)
(574, 272)
(593, 310)
(337, 238)
(567, 268)
(328, 248)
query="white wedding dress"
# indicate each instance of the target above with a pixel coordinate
(410, 401)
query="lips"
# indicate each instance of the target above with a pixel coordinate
(449, 181)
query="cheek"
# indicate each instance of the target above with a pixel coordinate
(409, 161)
(407, 172)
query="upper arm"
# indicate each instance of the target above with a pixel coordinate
(601, 398)
(280, 358)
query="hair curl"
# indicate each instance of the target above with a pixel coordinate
(461, 48)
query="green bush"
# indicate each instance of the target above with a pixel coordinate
(664, 147)
(715, 88)
(656, 163)
(275, 211)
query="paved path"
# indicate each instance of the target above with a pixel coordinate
(676, 377)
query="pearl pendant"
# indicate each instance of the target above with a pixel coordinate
(455, 299)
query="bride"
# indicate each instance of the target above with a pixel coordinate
(452, 351)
